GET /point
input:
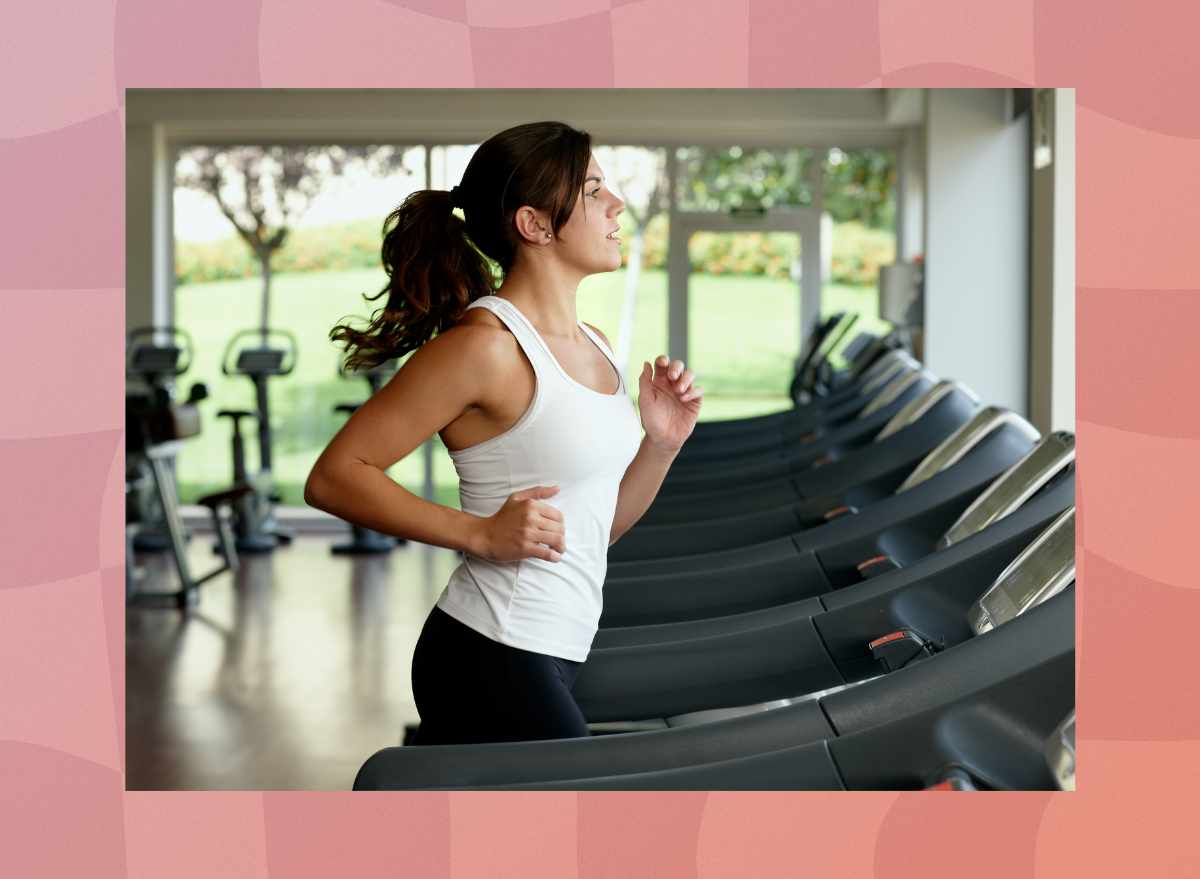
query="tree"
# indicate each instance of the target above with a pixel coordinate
(719, 179)
(859, 185)
(639, 175)
(263, 190)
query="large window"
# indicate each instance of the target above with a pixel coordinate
(744, 292)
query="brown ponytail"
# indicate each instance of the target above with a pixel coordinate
(437, 264)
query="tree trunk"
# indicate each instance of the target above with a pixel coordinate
(633, 273)
(264, 257)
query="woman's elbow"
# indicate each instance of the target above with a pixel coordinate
(314, 489)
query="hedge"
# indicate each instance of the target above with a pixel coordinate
(858, 252)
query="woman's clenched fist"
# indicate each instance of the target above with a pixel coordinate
(524, 528)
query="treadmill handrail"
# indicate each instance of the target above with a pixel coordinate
(914, 409)
(1043, 569)
(952, 449)
(1014, 486)
(897, 387)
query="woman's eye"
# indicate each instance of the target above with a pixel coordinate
(592, 194)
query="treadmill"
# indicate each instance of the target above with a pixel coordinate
(864, 366)
(1033, 635)
(711, 666)
(826, 493)
(997, 474)
(719, 451)
(771, 463)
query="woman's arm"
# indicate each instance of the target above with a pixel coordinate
(669, 404)
(440, 384)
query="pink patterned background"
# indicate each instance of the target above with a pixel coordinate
(64, 65)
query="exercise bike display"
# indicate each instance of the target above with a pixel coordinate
(364, 540)
(255, 525)
(157, 429)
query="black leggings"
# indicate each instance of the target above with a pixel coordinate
(470, 688)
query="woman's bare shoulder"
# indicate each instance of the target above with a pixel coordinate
(479, 341)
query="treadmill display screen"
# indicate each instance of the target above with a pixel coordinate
(1018, 483)
(1044, 569)
(951, 449)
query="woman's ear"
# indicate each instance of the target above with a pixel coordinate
(533, 226)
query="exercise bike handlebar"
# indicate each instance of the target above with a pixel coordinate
(287, 359)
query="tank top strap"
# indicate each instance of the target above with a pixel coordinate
(531, 343)
(621, 389)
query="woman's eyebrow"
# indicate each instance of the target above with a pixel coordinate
(594, 177)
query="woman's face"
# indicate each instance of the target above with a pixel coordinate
(588, 240)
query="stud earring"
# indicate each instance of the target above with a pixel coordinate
(548, 235)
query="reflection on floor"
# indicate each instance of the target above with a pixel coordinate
(286, 677)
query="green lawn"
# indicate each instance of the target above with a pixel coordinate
(744, 338)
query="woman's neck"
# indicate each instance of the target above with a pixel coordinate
(544, 291)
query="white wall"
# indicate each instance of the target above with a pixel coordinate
(1062, 392)
(1052, 297)
(977, 243)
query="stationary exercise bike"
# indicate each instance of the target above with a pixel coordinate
(364, 540)
(255, 526)
(157, 429)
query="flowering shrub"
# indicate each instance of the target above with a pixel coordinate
(341, 246)
(858, 252)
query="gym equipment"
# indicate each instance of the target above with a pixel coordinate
(915, 617)
(707, 431)
(982, 740)
(1039, 640)
(864, 363)
(873, 474)
(703, 476)
(1059, 752)
(814, 379)
(364, 540)
(827, 425)
(159, 430)
(848, 549)
(977, 558)
(255, 525)
(857, 473)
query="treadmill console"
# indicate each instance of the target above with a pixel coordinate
(1060, 753)
(912, 411)
(886, 369)
(1016, 485)
(1043, 569)
(894, 389)
(952, 449)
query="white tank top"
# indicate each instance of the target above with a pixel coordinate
(570, 436)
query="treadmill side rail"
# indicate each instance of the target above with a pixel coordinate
(1044, 569)
(1015, 486)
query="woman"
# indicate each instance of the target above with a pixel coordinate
(528, 400)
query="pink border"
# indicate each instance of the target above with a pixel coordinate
(63, 810)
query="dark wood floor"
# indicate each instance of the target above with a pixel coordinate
(286, 677)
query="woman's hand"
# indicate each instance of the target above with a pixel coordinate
(524, 528)
(668, 402)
